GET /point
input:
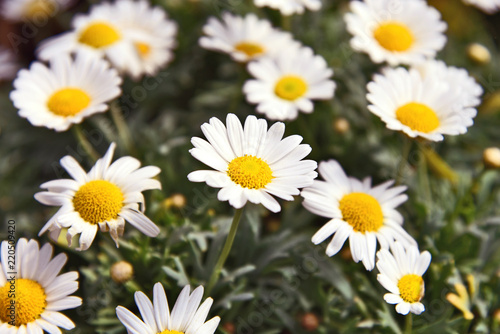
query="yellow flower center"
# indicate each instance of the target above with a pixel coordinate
(250, 172)
(362, 212)
(166, 331)
(68, 101)
(99, 35)
(394, 36)
(22, 303)
(143, 49)
(39, 8)
(418, 117)
(98, 201)
(411, 288)
(290, 87)
(250, 49)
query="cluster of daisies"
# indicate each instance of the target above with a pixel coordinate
(248, 162)
(429, 99)
(80, 71)
(287, 75)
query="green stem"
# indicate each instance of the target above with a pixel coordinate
(122, 127)
(236, 100)
(286, 22)
(225, 251)
(404, 159)
(87, 146)
(423, 175)
(408, 323)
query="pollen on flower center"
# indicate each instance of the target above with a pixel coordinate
(29, 298)
(249, 172)
(98, 201)
(99, 35)
(143, 49)
(290, 87)
(68, 101)
(394, 36)
(170, 332)
(418, 117)
(362, 212)
(411, 288)
(249, 48)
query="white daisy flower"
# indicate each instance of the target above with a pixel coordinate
(32, 282)
(398, 32)
(290, 7)
(187, 316)
(420, 106)
(104, 198)
(401, 273)
(66, 92)
(252, 163)
(358, 211)
(152, 33)
(33, 10)
(8, 64)
(100, 33)
(458, 78)
(285, 85)
(245, 38)
(487, 6)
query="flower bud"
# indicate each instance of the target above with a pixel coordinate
(491, 157)
(121, 272)
(309, 321)
(341, 125)
(478, 53)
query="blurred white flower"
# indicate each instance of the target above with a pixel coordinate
(151, 32)
(421, 106)
(33, 10)
(287, 83)
(66, 92)
(290, 7)
(8, 65)
(245, 38)
(101, 33)
(397, 32)
(487, 6)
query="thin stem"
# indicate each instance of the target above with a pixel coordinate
(408, 323)
(404, 159)
(122, 127)
(286, 22)
(235, 102)
(86, 145)
(423, 175)
(225, 251)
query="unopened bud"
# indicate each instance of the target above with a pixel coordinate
(229, 327)
(272, 224)
(341, 125)
(496, 315)
(177, 201)
(491, 157)
(309, 321)
(121, 272)
(478, 53)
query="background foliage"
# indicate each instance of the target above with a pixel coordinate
(274, 275)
